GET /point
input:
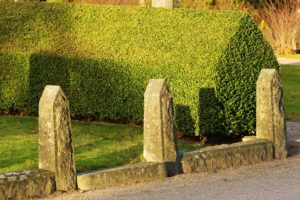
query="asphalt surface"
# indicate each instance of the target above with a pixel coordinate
(264, 181)
(267, 181)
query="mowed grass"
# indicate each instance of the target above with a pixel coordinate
(96, 145)
(290, 77)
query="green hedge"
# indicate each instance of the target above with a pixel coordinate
(103, 58)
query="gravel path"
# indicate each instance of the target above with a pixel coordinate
(265, 181)
(288, 61)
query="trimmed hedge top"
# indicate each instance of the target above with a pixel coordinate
(138, 35)
(103, 58)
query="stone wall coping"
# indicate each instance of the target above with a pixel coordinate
(128, 174)
(34, 173)
(227, 146)
(125, 167)
(211, 159)
(28, 183)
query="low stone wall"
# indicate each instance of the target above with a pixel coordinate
(31, 183)
(56, 160)
(226, 156)
(125, 175)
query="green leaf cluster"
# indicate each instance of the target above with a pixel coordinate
(103, 57)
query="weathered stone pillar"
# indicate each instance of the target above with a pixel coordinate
(55, 139)
(270, 112)
(160, 143)
(142, 3)
(162, 3)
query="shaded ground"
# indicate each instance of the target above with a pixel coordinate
(293, 138)
(265, 181)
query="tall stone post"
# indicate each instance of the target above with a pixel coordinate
(55, 140)
(160, 143)
(162, 3)
(142, 3)
(270, 112)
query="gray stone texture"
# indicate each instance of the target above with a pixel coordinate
(270, 112)
(55, 138)
(210, 159)
(160, 143)
(33, 183)
(162, 3)
(125, 175)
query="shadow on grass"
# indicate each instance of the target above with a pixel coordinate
(109, 160)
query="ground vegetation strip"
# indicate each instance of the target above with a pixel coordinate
(290, 76)
(96, 145)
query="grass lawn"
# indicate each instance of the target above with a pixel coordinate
(290, 76)
(96, 145)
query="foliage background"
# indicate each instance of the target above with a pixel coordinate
(104, 56)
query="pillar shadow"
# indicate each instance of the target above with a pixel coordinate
(210, 118)
(184, 121)
(102, 88)
(46, 69)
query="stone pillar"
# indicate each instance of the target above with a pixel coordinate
(270, 112)
(162, 3)
(160, 143)
(55, 139)
(142, 3)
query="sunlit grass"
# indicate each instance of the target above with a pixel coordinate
(290, 76)
(96, 145)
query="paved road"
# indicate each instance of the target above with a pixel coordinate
(288, 61)
(265, 181)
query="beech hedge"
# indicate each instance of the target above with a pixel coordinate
(103, 57)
